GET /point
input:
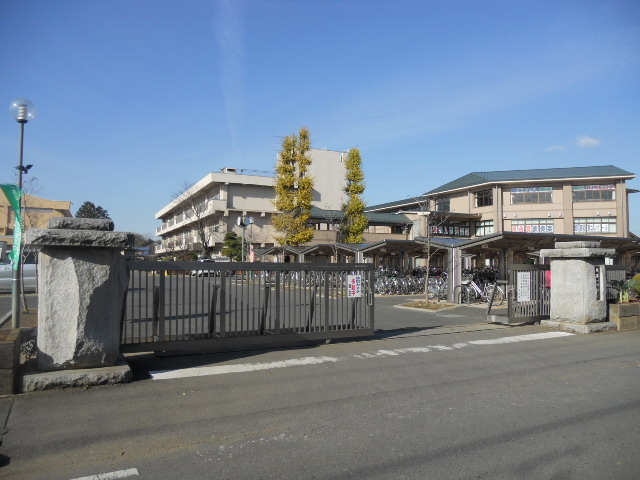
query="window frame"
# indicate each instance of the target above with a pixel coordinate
(483, 226)
(592, 193)
(528, 195)
(594, 225)
(485, 196)
(443, 202)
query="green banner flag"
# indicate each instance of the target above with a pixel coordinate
(13, 194)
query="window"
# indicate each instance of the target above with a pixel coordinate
(531, 195)
(594, 226)
(452, 230)
(533, 225)
(484, 198)
(442, 204)
(593, 193)
(484, 228)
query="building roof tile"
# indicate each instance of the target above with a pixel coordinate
(479, 178)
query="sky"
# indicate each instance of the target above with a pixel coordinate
(135, 98)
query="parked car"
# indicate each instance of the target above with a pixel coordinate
(205, 273)
(30, 279)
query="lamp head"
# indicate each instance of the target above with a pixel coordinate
(22, 110)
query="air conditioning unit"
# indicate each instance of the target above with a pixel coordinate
(229, 170)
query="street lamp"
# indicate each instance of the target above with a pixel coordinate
(23, 111)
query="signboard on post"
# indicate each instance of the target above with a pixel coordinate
(524, 287)
(354, 286)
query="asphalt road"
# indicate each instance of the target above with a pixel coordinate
(444, 399)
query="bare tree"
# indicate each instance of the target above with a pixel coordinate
(432, 221)
(195, 208)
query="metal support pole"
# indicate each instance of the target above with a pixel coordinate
(243, 230)
(17, 271)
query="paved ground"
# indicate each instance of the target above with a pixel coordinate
(439, 395)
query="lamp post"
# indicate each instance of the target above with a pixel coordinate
(22, 110)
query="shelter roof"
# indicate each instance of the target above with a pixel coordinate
(534, 241)
(373, 217)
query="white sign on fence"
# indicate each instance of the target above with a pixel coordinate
(354, 286)
(524, 287)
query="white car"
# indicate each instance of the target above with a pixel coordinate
(29, 276)
(203, 273)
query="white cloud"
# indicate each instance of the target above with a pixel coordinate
(556, 148)
(588, 142)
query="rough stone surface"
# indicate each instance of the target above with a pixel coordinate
(625, 316)
(574, 294)
(580, 328)
(581, 244)
(120, 373)
(81, 297)
(577, 252)
(78, 238)
(66, 223)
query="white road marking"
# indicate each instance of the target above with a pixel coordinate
(296, 362)
(111, 475)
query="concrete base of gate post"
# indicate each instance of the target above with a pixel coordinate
(79, 378)
(580, 328)
(578, 286)
(82, 281)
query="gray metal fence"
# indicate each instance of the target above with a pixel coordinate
(206, 306)
(529, 295)
(614, 272)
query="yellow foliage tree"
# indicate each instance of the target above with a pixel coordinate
(355, 222)
(294, 191)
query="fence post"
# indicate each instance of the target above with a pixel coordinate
(277, 315)
(312, 308)
(156, 303)
(265, 309)
(212, 311)
(326, 301)
(223, 305)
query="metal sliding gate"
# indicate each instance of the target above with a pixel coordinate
(213, 307)
(529, 294)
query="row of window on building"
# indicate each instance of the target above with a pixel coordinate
(520, 195)
(531, 225)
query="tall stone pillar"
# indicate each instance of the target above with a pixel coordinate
(82, 282)
(578, 286)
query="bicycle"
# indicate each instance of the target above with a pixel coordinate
(471, 291)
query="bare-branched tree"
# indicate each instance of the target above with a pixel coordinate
(432, 220)
(195, 208)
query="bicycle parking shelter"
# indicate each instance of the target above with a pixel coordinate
(454, 254)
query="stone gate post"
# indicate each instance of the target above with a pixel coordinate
(82, 282)
(578, 286)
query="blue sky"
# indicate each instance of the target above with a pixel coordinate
(136, 97)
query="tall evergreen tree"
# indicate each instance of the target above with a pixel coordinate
(294, 191)
(89, 210)
(354, 222)
(232, 246)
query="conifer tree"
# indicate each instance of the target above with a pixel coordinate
(355, 222)
(294, 191)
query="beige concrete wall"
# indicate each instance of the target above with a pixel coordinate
(562, 210)
(328, 171)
